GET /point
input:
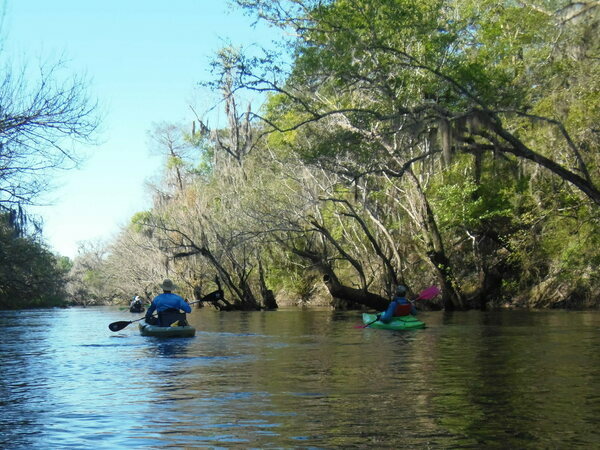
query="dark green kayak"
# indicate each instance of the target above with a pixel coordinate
(156, 331)
(397, 323)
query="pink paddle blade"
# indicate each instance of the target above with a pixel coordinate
(428, 293)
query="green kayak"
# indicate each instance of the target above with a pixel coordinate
(397, 323)
(153, 330)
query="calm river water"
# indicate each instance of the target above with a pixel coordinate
(300, 379)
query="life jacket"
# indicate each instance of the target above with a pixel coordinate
(402, 309)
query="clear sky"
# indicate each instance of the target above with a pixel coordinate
(144, 59)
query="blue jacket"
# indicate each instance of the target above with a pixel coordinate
(166, 301)
(389, 312)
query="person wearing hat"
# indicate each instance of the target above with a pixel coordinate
(168, 306)
(399, 306)
(136, 302)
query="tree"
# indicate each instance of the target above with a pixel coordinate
(41, 115)
(30, 276)
(39, 119)
(170, 140)
(401, 87)
(409, 142)
(89, 284)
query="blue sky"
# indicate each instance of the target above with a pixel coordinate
(144, 59)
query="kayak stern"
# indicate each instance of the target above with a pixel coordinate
(156, 331)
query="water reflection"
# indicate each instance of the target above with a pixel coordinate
(300, 379)
(165, 348)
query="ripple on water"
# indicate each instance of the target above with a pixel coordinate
(299, 379)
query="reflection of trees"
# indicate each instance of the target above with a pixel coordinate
(312, 378)
(500, 373)
(22, 360)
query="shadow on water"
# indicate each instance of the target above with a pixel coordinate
(168, 348)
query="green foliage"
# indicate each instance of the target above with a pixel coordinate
(30, 275)
(64, 264)
(351, 145)
(284, 276)
(205, 152)
(469, 205)
(175, 162)
(140, 220)
(571, 242)
(534, 65)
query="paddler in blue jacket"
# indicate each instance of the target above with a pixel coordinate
(399, 306)
(168, 306)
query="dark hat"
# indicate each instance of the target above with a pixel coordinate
(400, 290)
(168, 285)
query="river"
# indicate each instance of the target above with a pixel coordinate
(300, 379)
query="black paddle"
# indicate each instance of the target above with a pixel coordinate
(212, 297)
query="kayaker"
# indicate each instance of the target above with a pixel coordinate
(399, 306)
(168, 306)
(136, 302)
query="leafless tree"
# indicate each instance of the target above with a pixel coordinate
(43, 116)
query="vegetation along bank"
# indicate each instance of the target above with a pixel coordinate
(421, 143)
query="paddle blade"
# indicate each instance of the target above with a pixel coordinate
(365, 325)
(428, 293)
(118, 326)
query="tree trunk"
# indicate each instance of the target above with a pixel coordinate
(353, 297)
(518, 148)
(451, 295)
(268, 298)
(350, 297)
